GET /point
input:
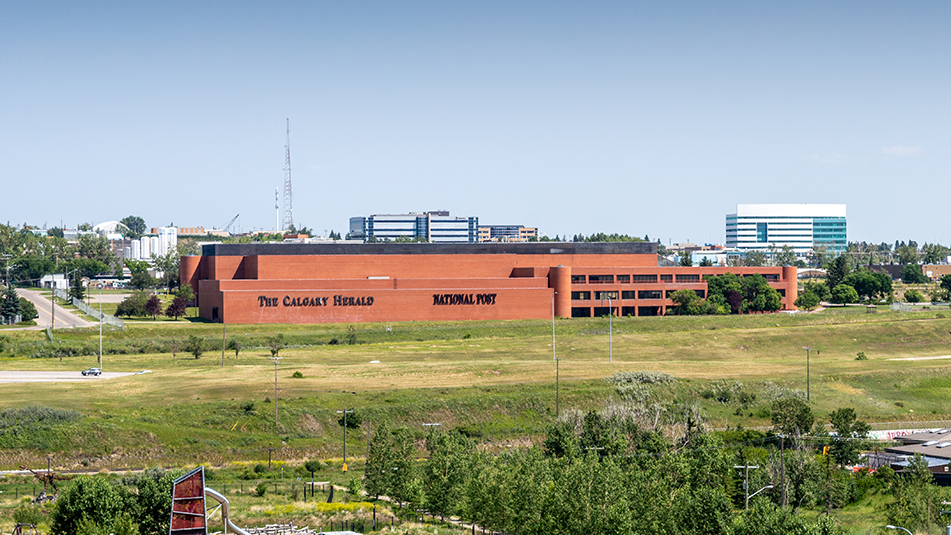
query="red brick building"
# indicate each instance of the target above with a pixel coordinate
(324, 283)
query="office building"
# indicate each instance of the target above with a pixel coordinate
(432, 227)
(378, 282)
(506, 233)
(803, 227)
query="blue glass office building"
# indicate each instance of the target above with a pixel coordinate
(759, 227)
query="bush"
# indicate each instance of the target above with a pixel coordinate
(844, 294)
(133, 306)
(913, 296)
(298, 375)
(807, 301)
(29, 514)
(261, 489)
(860, 356)
(194, 346)
(642, 377)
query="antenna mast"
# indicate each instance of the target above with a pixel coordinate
(288, 196)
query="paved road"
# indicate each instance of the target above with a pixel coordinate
(55, 377)
(65, 319)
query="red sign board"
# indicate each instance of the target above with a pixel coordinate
(188, 504)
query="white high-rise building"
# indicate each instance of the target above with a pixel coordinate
(759, 227)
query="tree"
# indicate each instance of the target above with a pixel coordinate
(911, 274)
(755, 259)
(194, 346)
(819, 288)
(758, 295)
(76, 290)
(786, 257)
(934, 253)
(850, 433)
(807, 301)
(11, 304)
(87, 499)
(447, 471)
(686, 260)
(134, 226)
(913, 296)
(869, 285)
(134, 305)
(55, 232)
(236, 346)
(792, 416)
(836, 270)
(31, 267)
(185, 292)
(95, 248)
(907, 254)
(27, 310)
(141, 280)
(844, 294)
(276, 344)
(168, 264)
(706, 262)
(153, 307)
(177, 308)
(687, 303)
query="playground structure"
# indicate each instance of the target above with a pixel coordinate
(188, 506)
(49, 479)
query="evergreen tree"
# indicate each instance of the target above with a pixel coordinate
(11, 304)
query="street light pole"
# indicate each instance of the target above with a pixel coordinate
(610, 329)
(100, 325)
(345, 412)
(553, 325)
(807, 349)
(746, 483)
(275, 359)
(557, 407)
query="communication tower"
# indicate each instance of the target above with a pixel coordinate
(288, 195)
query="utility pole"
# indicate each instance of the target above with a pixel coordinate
(807, 349)
(100, 326)
(746, 482)
(275, 359)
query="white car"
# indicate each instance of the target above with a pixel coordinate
(92, 371)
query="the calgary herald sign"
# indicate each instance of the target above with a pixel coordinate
(367, 301)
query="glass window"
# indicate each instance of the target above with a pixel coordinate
(600, 279)
(628, 311)
(580, 296)
(666, 278)
(629, 294)
(688, 278)
(580, 312)
(577, 279)
(646, 278)
(649, 294)
(605, 295)
(624, 278)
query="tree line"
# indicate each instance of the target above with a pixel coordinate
(610, 472)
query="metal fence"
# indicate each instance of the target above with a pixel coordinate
(90, 311)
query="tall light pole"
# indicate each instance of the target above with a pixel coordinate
(275, 359)
(807, 349)
(345, 412)
(553, 325)
(557, 407)
(100, 325)
(610, 328)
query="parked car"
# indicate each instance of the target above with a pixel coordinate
(92, 371)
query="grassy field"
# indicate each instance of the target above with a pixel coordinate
(493, 380)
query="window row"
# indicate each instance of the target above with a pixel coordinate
(598, 312)
(628, 294)
(627, 279)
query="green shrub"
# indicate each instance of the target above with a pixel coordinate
(642, 377)
(860, 356)
(298, 375)
(261, 489)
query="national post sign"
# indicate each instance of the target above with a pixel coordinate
(188, 504)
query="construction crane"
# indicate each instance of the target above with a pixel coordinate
(233, 219)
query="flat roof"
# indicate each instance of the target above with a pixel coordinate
(525, 248)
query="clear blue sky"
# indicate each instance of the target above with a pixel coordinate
(649, 118)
